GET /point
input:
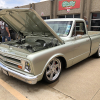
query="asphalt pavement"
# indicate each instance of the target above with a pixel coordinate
(79, 82)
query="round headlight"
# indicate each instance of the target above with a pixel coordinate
(26, 66)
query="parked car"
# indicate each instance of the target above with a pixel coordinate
(44, 47)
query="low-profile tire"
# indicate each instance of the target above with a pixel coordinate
(53, 70)
(97, 54)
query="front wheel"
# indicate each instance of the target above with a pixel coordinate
(53, 70)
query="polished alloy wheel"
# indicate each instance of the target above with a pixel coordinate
(97, 54)
(53, 70)
(99, 51)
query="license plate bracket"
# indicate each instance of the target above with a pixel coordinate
(5, 72)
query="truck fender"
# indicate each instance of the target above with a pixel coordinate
(52, 57)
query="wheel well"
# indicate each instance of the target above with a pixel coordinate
(63, 61)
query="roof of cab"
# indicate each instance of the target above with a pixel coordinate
(65, 19)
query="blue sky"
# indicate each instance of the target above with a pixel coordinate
(13, 3)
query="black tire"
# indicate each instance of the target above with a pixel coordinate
(53, 70)
(0, 39)
(97, 54)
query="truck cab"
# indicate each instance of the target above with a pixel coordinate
(75, 34)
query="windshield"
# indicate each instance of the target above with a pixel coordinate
(62, 28)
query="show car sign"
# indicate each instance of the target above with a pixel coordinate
(69, 4)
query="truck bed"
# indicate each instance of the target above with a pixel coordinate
(93, 32)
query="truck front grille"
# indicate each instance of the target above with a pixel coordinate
(9, 60)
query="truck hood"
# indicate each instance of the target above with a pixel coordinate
(27, 22)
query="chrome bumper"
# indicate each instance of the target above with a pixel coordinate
(28, 79)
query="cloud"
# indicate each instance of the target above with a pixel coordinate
(2, 3)
(43, 0)
(14, 3)
(25, 2)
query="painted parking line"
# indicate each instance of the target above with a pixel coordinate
(14, 92)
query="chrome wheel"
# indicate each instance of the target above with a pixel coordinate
(97, 54)
(99, 51)
(53, 70)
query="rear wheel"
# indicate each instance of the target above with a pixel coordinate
(97, 54)
(53, 70)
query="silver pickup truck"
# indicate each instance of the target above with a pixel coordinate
(43, 48)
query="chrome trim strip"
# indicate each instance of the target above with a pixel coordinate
(11, 61)
(28, 79)
(4, 56)
(10, 55)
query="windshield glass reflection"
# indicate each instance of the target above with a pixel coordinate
(62, 28)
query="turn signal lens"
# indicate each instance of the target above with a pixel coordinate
(19, 66)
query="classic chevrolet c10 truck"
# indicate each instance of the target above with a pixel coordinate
(43, 48)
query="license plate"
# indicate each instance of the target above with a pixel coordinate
(5, 72)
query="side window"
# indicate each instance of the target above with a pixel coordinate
(79, 29)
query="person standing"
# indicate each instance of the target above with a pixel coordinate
(85, 18)
(4, 31)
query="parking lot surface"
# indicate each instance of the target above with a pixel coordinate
(79, 82)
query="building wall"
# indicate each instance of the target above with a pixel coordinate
(43, 7)
(85, 8)
(25, 6)
(95, 5)
(50, 8)
(54, 8)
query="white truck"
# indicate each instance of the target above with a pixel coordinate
(43, 50)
